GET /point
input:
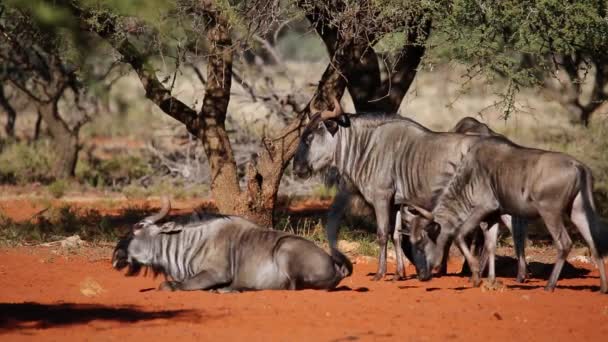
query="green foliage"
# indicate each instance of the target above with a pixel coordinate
(120, 169)
(57, 188)
(22, 163)
(494, 36)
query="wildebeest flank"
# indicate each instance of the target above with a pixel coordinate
(228, 253)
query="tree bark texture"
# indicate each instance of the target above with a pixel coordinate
(11, 114)
(65, 140)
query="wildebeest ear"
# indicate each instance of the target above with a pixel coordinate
(332, 126)
(170, 227)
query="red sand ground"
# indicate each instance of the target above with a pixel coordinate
(41, 297)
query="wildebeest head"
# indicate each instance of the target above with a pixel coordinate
(135, 249)
(318, 141)
(423, 236)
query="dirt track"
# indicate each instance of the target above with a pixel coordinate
(42, 297)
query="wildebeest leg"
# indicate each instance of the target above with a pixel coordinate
(400, 274)
(581, 221)
(335, 215)
(471, 260)
(518, 228)
(382, 208)
(471, 223)
(555, 224)
(490, 237)
(201, 281)
(476, 241)
(443, 269)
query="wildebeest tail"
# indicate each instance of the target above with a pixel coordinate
(342, 263)
(599, 230)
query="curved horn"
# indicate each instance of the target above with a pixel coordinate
(425, 213)
(164, 210)
(327, 114)
(311, 106)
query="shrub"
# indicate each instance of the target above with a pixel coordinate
(22, 163)
(119, 170)
(57, 188)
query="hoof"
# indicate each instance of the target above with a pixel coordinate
(168, 286)
(476, 281)
(495, 285)
(549, 288)
(398, 277)
(377, 277)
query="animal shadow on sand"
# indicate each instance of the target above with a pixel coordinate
(29, 315)
(538, 271)
(346, 288)
(506, 267)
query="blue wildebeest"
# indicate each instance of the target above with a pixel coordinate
(499, 177)
(227, 253)
(386, 159)
(516, 225)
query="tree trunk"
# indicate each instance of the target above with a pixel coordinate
(359, 66)
(37, 126)
(65, 141)
(566, 87)
(11, 114)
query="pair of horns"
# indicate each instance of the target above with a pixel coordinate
(425, 213)
(327, 114)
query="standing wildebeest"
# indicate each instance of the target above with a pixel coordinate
(227, 253)
(387, 159)
(500, 177)
(516, 225)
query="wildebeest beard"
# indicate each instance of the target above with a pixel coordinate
(120, 261)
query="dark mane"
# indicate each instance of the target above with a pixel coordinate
(372, 120)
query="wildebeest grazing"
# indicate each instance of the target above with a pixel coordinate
(498, 176)
(387, 159)
(516, 225)
(227, 253)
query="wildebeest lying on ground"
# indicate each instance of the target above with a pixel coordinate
(387, 159)
(500, 177)
(227, 253)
